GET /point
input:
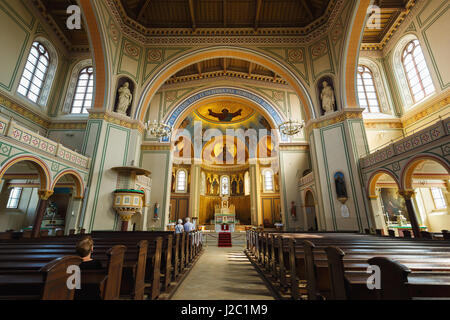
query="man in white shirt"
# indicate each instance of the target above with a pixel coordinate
(188, 226)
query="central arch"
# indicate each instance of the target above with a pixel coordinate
(246, 54)
(184, 108)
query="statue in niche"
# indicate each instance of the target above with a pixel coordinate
(215, 187)
(327, 98)
(125, 98)
(241, 186)
(341, 189)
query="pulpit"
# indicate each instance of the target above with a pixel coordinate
(225, 216)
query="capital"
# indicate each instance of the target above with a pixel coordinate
(45, 194)
(407, 194)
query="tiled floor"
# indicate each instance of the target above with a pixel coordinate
(223, 274)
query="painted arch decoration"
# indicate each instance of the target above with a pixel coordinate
(224, 91)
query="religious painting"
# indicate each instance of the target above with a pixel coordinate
(341, 189)
(327, 96)
(394, 205)
(225, 112)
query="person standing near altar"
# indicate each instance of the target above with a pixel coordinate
(188, 226)
(179, 228)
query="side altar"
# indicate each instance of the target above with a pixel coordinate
(225, 216)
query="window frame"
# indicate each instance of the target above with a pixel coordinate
(37, 45)
(221, 186)
(91, 75)
(416, 44)
(369, 71)
(434, 199)
(264, 181)
(10, 198)
(177, 182)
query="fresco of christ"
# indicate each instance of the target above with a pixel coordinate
(226, 115)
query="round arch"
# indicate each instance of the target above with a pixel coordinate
(311, 192)
(177, 115)
(371, 189)
(351, 54)
(79, 184)
(199, 55)
(40, 165)
(408, 170)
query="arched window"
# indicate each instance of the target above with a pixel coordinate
(35, 72)
(247, 184)
(268, 181)
(225, 186)
(181, 181)
(367, 92)
(416, 70)
(84, 91)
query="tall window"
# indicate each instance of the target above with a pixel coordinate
(181, 181)
(14, 198)
(35, 71)
(268, 180)
(415, 66)
(438, 197)
(367, 93)
(84, 91)
(225, 186)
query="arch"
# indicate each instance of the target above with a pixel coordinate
(371, 189)
(40, 165)
(79, 184)
(240, 146)
(268, 175)
(199, 55)
(408, 170)
(177, 183)
(351, 54)
(98, 47)
(73, 81)
(177, 115)
(312, 193)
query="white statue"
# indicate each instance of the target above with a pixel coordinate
(125, 98)
(327, 97)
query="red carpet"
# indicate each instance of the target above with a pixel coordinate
(225, 239)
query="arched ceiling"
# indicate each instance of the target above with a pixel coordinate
(55, 12)
(225, 13)
(226, 67)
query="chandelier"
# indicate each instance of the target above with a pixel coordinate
(291, 127)
(158, 129)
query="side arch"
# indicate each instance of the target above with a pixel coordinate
(408, 170)
(371, 189)
(199, 55)
(79, 184)
(39, 164)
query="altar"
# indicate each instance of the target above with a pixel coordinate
(225, 217)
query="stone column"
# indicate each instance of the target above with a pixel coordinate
(194, 201)
(253, 174)
(44, 195)
(408, 195)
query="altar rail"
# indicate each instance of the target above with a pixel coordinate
(34, 141)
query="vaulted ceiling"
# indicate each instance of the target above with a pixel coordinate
(55, 12)
(226, 67)
(225, 13)
(392, 13)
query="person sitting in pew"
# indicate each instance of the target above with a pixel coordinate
(85, 249)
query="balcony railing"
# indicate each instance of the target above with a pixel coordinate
(10, 128)
(437, 131)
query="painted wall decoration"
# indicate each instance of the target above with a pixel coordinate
(326, 95)
(124, 96)
(394, 205)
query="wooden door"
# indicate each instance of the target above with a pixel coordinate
(179, 208)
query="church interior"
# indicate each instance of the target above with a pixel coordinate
(299, 142)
